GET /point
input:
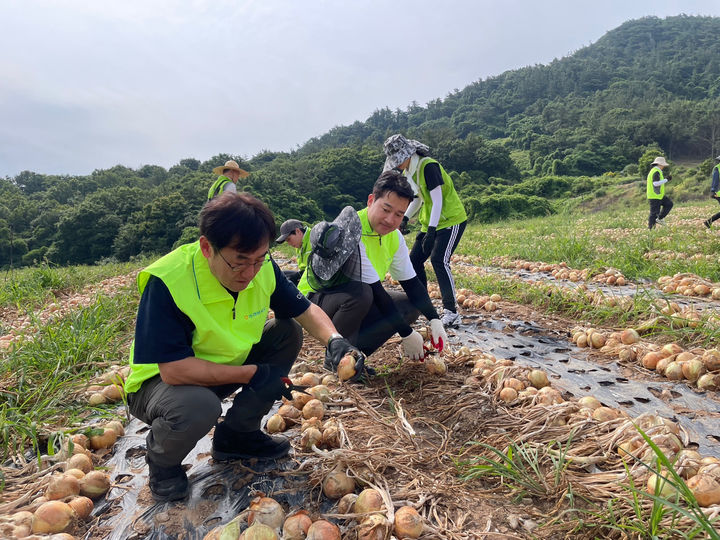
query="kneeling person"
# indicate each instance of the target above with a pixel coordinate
(202, 332)
(361, 309)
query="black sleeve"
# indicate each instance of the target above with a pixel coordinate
(433, 176)
(418, 296)
(385, 304)
(163, 333)
(286, 301)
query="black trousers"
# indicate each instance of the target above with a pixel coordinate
(715, 217)
(659, 208)
(293, 276)
(358, 318)
(180, 415)
(446, 242)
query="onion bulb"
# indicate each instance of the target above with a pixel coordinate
(310, 379)
(313, 409)
(323, 530)
(267, 511)
(661, 486)
(373, 527)
(368, 501)
(105, 440)
(289, 412)
(346, 367)
(346, 505)
(508, 394)
(408, 523)
(711, 359)
(310, 437)
(116, 426)
(538, 378)
(300, 399)
(707, 381)
(296, 526)
(629, 336)
(258, 532)
(605, 414)
(589, 402)
(705, 488)
(53, 517)
(275, 424)
(321, 392)
(692, 369)
(337, 484)
(94, 484)
(674, 371)
(435, 365)
(79, 461)
(61, 486)
(82, 506)
(651, 359)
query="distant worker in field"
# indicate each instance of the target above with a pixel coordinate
(203, 332)
(348, 263)
(229, 173)
(660, 204)
(293, 231)
(441, 215)
(714, 188)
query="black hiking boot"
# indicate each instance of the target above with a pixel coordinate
(228, 444)
(167, 483)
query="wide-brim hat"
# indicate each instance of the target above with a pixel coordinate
(333, 242)
(287, 228)
(232, 165)
(398, 148)
(660, 161)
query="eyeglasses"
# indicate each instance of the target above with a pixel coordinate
(244, 266)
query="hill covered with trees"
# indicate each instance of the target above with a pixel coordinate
(513, 143)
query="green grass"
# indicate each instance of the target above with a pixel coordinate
(33, 286)
(42, 375)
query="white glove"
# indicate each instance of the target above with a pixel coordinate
(438, 336)
(412, 346)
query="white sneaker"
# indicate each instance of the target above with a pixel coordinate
(450, 318)
(659, 222)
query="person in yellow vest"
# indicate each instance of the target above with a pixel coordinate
(660, 204)
(349, 260)
(293, 231)
(203, 332)
(439, 211)
(229, 173)
(714, 188)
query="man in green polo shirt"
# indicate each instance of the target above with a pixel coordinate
(203, 332)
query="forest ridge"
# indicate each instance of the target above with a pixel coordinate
(512, 142)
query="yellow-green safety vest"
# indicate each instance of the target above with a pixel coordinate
(651, 193)
(380, 250)
(304, 252)
(225, 329)
(452, 212)
(218, 186)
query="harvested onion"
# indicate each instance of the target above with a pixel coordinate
(258, 532)
(323, 530)
(435, 365)
(61, 486)
(82, 506)
(408, 523)
(368, 501)
(296, 526)
(94, 484)
(267, 511)
(538, 378)
(53, 517)
(337, 484)
(346, 367)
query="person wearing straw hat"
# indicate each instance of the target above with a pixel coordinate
(293, 231)
(229, 173)
(349, 259)
(439, 210)
(660, 204)
(714, 188)
(202, 333)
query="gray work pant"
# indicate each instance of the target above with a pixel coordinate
(358, 318)
(180, 415)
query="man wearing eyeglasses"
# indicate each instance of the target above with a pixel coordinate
(203, 332)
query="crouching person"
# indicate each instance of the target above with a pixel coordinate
(202, 333)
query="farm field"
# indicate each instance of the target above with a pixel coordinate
(578, 399)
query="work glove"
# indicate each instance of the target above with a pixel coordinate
(403, 226)
(429, 241)
(338, 347)
(438, 336)
(668, 176)
(268, 384)
(412, 346)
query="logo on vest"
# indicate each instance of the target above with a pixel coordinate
(256, 313)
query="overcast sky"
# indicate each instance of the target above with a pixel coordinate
(88, 84)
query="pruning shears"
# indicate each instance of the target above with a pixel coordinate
(295, 387)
